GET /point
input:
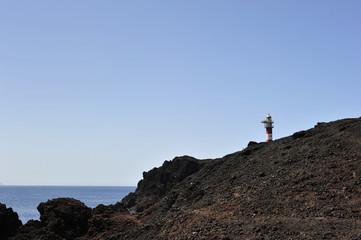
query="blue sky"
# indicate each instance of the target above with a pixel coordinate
(96, 92)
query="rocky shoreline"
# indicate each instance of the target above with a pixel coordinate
(305, 186)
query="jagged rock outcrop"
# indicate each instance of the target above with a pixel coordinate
(159, 181)
(9, 222)
(67, 218)
(61, 218)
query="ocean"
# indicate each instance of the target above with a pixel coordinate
(25, 199)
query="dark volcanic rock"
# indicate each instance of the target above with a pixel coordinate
(251, 143)
(9, 222)
(109, 219)
(306, 186)
(67, 217)
(159, 181)
(36, 230)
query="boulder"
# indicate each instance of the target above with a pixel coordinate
(66, 217)
(9, 222)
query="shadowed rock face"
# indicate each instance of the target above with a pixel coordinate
(9, 222)
(67, 217)
(159, 181)
(34, 229)
(107, 220)
(61, 218)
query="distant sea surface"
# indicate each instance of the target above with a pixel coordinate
(25, 199)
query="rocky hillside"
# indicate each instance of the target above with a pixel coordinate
(305, 186)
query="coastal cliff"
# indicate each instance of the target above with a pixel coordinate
(305, 186)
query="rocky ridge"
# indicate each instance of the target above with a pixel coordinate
(305, 186)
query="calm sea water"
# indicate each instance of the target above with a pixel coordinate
(25, 199)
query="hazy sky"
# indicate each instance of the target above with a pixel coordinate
(96, 92)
